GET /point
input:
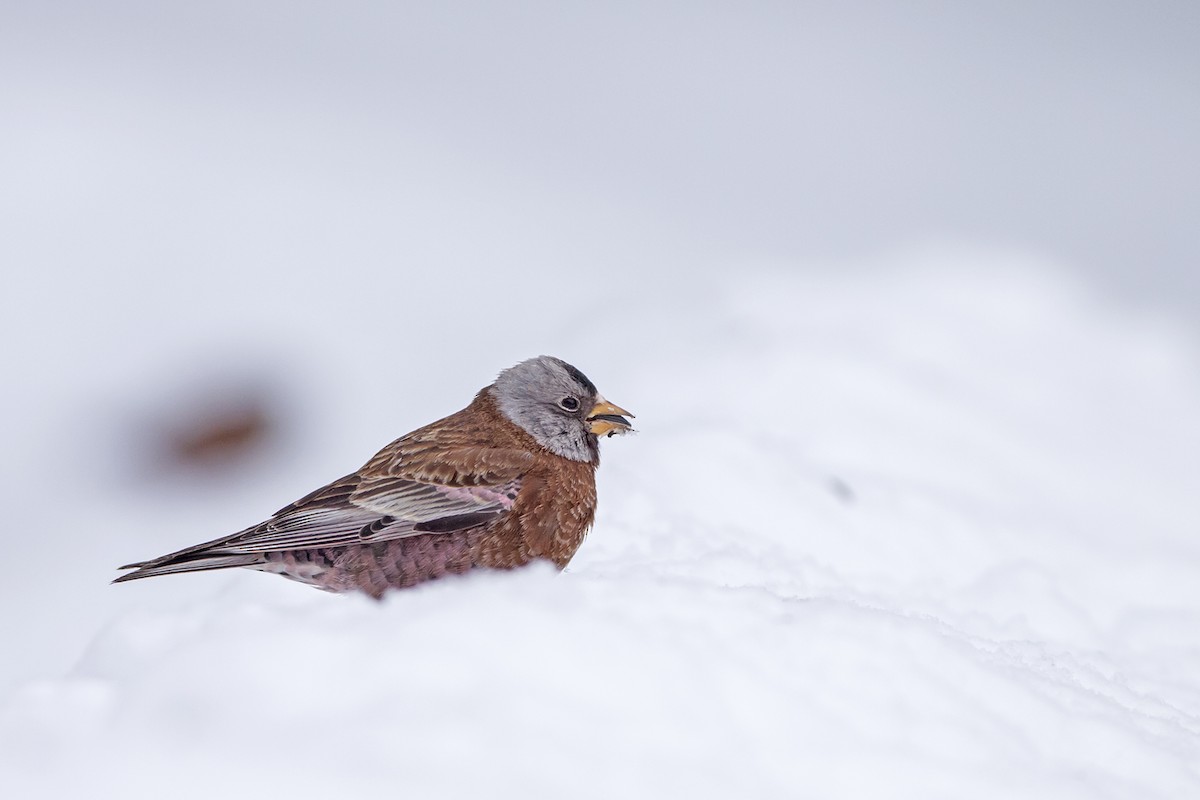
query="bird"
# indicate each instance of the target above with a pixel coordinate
(506, 481)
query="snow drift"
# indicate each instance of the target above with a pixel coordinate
(917, 533)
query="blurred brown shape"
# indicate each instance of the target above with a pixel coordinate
(221, 437)
(211, 428)
(219, 424)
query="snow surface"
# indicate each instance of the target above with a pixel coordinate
(903, 534)
(911, 513)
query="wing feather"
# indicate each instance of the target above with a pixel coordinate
(423, 483)
(396, 494)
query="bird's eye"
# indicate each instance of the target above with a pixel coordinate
(569, 403)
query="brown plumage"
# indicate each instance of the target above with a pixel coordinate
(508, 480)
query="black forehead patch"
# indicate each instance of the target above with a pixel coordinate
(580, 377)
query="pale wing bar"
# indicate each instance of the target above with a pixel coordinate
(389, 508)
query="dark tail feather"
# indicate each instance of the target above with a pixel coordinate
(197, 562)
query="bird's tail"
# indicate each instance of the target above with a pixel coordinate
(187, 562)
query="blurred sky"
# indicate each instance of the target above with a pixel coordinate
(661, 137)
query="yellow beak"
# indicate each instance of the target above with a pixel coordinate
(608, 419)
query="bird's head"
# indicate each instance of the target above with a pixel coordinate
(558, 406)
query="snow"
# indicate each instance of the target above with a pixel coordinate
(917, 521)
(907, 534)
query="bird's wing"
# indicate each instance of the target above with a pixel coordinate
(376, 510)
(388, 499)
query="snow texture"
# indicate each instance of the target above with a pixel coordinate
(906, 536)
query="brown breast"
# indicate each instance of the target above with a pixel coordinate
(551, 516)
(554, 508)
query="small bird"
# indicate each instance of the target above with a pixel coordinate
(508, 480)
